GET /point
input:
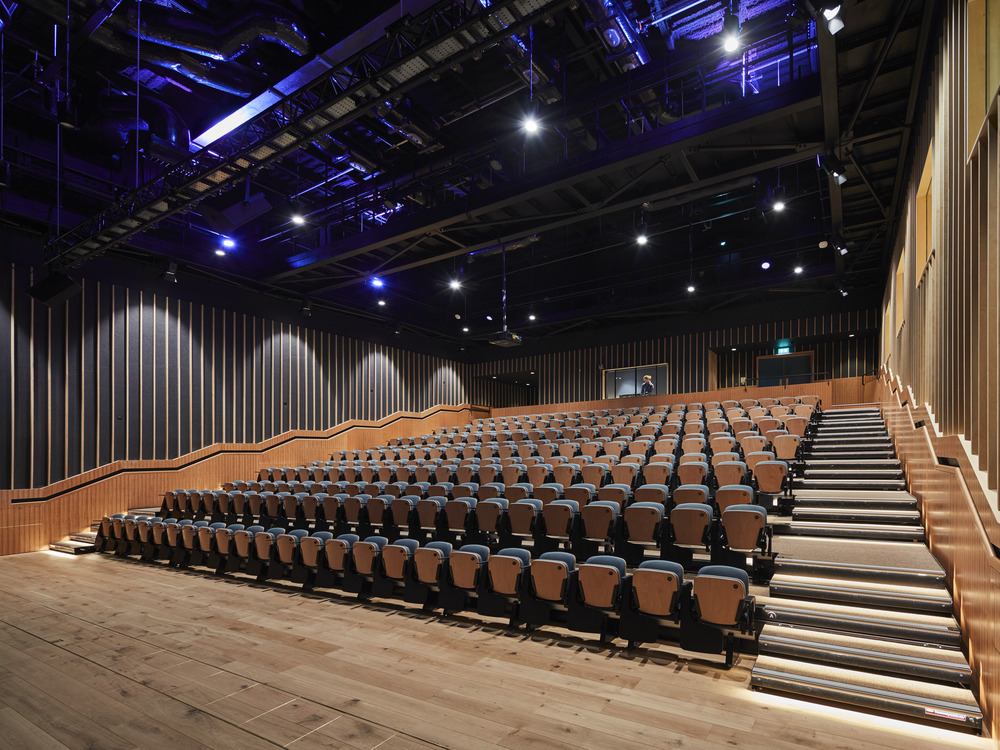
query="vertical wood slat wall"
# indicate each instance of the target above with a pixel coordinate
(118, 374)
(575, 375)
(947, 346)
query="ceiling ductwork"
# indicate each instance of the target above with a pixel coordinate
(266, 23)
(117, 116)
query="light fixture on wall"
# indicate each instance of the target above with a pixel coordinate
(306, 308)
(170, 273)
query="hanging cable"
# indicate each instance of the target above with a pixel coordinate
(5, 174)
(138, 62)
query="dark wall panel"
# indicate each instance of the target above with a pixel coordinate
(118, 373)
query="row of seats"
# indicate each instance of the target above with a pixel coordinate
(672, 523)
(706, 612)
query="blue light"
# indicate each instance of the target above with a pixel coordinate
(377, 282)
(227, 242)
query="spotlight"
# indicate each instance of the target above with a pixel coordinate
(690, 287)
(228, 242)
(306, 309)
(455, 284)
(377, 282)
(531, 316)
(465, 329)
(219, 251)
(641, 239)
(843, 292)
(834, 22)
(298, 219)
(779, 206)
(722, 244)
(530, 125)
(834, 168)
(798, 269)
(733, 349)
(765, 265)
(731, 32)
(843, 251)
(489, 317)
(381, 303)
(170, 275)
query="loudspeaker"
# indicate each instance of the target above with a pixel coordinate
(226, 216)
(55, 289)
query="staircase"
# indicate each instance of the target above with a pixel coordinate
(77, 544)
(858, 611)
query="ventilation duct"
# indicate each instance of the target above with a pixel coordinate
(116, 115)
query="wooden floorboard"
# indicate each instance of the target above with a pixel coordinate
(104, 653)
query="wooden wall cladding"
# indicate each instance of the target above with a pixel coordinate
(942, 335)
(571, 376)
(117, 374)
(822, 389)
(962, 529)
(31, 519)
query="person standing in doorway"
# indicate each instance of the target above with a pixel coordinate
(646, 389)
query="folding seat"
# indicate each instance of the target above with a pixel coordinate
(721, 443)
(693, 444)
(264, 548)
(716, 426)
(468, 489)
(696, 427)
(402, 513)
(172, 545)
(777, 412)
(506, 574)
(730, 472)
(561, 519)
(786, 447)
(748, 403)
(688, 458)
(551, 581)
(616, 492)
(430, 514)
(418, 488)
(549, 492)
(797, 425)
(207, 545)
(596, 474)
(491, 490)
(693, 472)
(753, 443)
(741, 424)
(641, 446)
(625, 473)
(539, 474)
(743, 531)
(770, 435)
(600, 582)
(689, 528)
(523, 517)
(358, 562)
(651, 429)
(720, 607)
(671, 428)
(755, 457)
(581, 492)
(599, 526)
(441, 489)
(616, 448)
(756, 412)
(187, 551)
(171, 505)
(143, 535)
(116, 532)
(286, 555)
(566, 474)
(733, 494)
(242, 551)
(392, 567)
(489, 473)
(642, 528)
(771, 476)
(657, 472)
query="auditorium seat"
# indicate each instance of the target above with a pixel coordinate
(651, 601)
(505, 582)
(551, 579)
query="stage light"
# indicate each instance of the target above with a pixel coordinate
(228, 242)
(834, 22)
(455, 284)
(377, 282)
(306, 309)
(798, 269)
(530, 125)
(219, 251)
(690, 287)
(641, 239)
(531, 316)
(731, 32)
(765, 265)
(779, 206)
(722, 244)
(381, 303)
(298, 219)
(465, 329)
(489, 317)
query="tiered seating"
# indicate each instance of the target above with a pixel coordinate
(494, 516)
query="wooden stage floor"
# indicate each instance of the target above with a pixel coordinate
(104, 653)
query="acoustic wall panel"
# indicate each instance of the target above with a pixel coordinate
(127, 374)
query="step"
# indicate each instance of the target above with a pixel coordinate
(837, 454)
(870, 654)
(853, 502)
(845, 570)
(72, 548)
(875, 484)
(914, 627)
(822, 442)
(812, 472)
(875, 463)
(855, 514)
(153, 511)
(87, 537)
(879, 594)
(857, 530)
(859, 494)
(849, 430)
(940, 704)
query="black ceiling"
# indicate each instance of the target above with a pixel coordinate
(399, 138)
